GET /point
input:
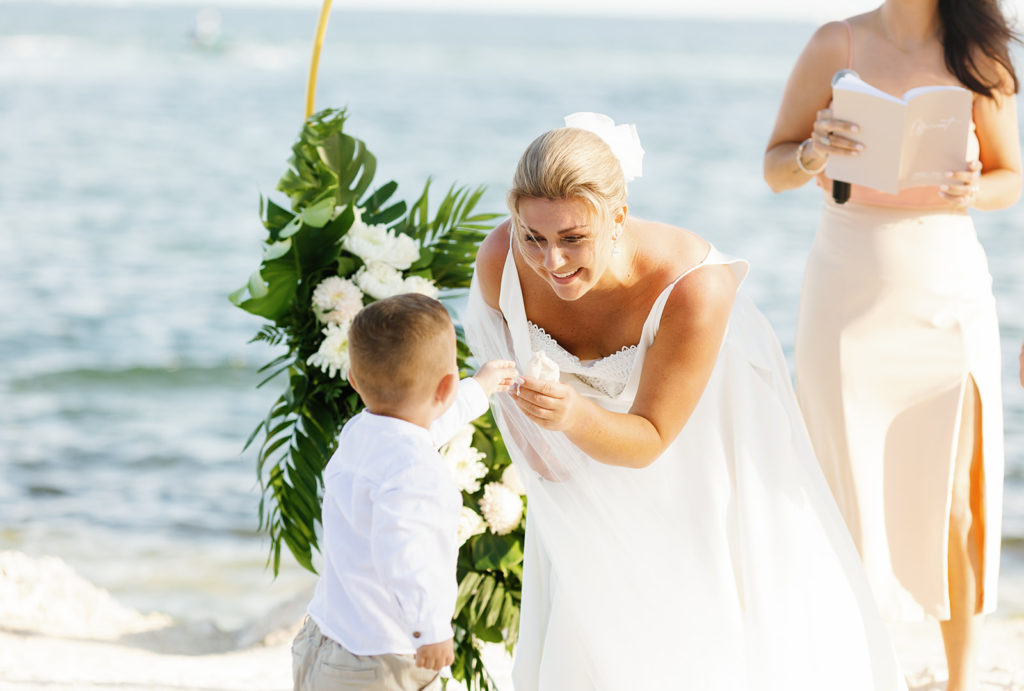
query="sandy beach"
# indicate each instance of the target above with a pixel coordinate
(59, 631)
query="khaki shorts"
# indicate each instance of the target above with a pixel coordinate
(320, 664)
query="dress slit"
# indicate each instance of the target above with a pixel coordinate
(972, 452)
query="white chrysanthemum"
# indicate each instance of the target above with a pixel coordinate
(463, 439)
(464, 460)
(332, 357)
(470, 524)
(379, 280)
(511, 479)
(404, 251)
(421, 285)
(502, 508)
(378, 244)
(468, 472)
(337, 300)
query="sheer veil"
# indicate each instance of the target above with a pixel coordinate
(723, 566)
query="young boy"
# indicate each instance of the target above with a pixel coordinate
(381, 614)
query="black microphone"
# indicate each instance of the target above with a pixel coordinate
(840, 189)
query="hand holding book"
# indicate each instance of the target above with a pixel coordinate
(912, 141)
(832, 136)
(840, 188)
(961, 186)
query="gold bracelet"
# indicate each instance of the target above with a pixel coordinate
(800, 159)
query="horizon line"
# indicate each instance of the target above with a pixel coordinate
(737, 10)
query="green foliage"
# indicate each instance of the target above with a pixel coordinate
(329, 185)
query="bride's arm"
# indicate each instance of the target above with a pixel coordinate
(676, 370)
(490, 263)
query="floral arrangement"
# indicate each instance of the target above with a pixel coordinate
(342, 245)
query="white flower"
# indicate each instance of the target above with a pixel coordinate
(332, 357)
(502, 508)
(464, 460)
(511, 479)
(419, 284)
(336, 300)
(621, 139)
(404, 251)
(470, 524)
(378, 244)
(461, 440)
(467, 472)
(379, 281)
(366, 242)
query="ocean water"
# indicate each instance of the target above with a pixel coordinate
(131, 164)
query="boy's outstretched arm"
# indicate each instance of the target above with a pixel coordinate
(471, 400)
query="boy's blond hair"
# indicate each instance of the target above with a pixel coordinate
(400, 347)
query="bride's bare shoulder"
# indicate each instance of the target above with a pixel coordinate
(490, 262)
(671, 247)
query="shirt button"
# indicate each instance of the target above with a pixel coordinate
(416, 634)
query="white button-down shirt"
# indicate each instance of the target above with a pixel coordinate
(390, 523)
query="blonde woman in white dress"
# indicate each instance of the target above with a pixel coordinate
(680, 534)
(897, 350)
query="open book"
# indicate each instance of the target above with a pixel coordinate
(908, 142)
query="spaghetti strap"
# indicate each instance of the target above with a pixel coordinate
(849, 33)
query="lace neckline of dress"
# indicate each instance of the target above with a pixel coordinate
(607, 375)
(549, 339)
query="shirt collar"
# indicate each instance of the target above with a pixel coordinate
(394, 425)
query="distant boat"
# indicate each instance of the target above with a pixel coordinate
(206, 31)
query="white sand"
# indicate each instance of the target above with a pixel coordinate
(1001, 656)
(59, 631)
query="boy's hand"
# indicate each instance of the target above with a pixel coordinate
(435, 656)
(496, 375)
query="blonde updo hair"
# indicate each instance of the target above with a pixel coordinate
(569, 163)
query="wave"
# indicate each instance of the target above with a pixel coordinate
(29, 46)
(173, 376)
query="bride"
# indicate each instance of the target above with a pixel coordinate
(679, 532)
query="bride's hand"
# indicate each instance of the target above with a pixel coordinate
(551, 405)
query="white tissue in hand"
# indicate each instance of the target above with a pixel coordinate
(542, 367)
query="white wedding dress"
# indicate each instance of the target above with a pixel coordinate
(724, 566)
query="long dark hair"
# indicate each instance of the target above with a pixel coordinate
(976, 30)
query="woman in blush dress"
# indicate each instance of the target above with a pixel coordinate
(897, 349)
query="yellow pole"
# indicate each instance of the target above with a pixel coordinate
(321, 29)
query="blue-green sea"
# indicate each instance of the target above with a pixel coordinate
(132, 160)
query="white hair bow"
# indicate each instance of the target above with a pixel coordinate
(621, 139)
